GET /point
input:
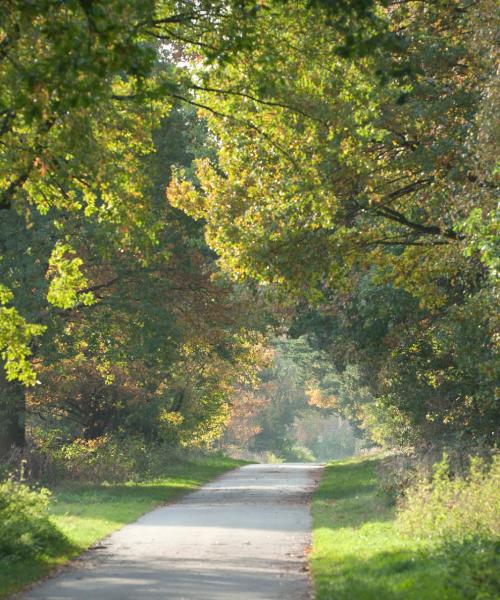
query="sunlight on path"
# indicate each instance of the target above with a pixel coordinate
(242, 536)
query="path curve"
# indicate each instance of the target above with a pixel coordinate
(244, 536)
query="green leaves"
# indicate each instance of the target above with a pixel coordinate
(483, 239)
(345, 163)
(355, 171)
(16, 336)
(67, 281)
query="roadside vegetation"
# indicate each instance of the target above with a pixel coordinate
(262, 227)
(41, 529)
(439, 542)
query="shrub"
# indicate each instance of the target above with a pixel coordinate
(298, 453)
(100, 459)
(107, 458)
(395, 474)
(460, 517)
(25, 527)
(270, 458)
(474, 568)
(115, 459)
(454, 508)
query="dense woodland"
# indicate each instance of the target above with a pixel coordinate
(256, 225)
(330, 174)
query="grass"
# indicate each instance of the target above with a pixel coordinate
(358, 552)
(87, 513)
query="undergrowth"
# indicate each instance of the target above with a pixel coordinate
(42, 529)
(441, 544)
(459, 516)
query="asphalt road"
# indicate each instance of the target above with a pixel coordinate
(242, 537)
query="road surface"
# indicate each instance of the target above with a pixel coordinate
(244, 536)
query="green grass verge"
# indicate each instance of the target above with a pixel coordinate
(87, 513)
(357, 551)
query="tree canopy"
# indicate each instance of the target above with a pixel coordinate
(331, 171)
(364, 183)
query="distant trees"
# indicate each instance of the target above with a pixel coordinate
(288, 411)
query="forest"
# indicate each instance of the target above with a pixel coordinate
(264, 229)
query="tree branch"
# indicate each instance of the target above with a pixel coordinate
(397, 217)
(255, 99)
(7, 196)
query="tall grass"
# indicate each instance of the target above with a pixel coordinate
(459, 515)
(441, 543)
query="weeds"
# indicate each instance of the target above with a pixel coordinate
(25, 526)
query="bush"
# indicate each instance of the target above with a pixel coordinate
(115, 459)
(454, 508)
(460, 516)
(101, 459)
(395, 474)
(298, 453)
(25, 527)
(107, 458)
(474, 567)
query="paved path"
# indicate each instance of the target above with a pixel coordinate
(241, 537)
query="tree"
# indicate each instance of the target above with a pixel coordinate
(354, 183)
(84, 84)
(84, 87)
(289, 405)
(160, 335)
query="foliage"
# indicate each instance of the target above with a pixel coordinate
(356, 548)
(454, 508)
(346, 168)
(108, 458)
(367, 190)
(84, 86)
(459, 514)
(153, 330)
(82, 514)
(100, 459)
(298, 453)
(25, 527)
(13, 327)
(473, 567)
(359, 550)
(326, 436)
(278, 413)
(348, 158)
(354, 168)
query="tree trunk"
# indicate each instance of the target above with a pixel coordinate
(12, 414)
